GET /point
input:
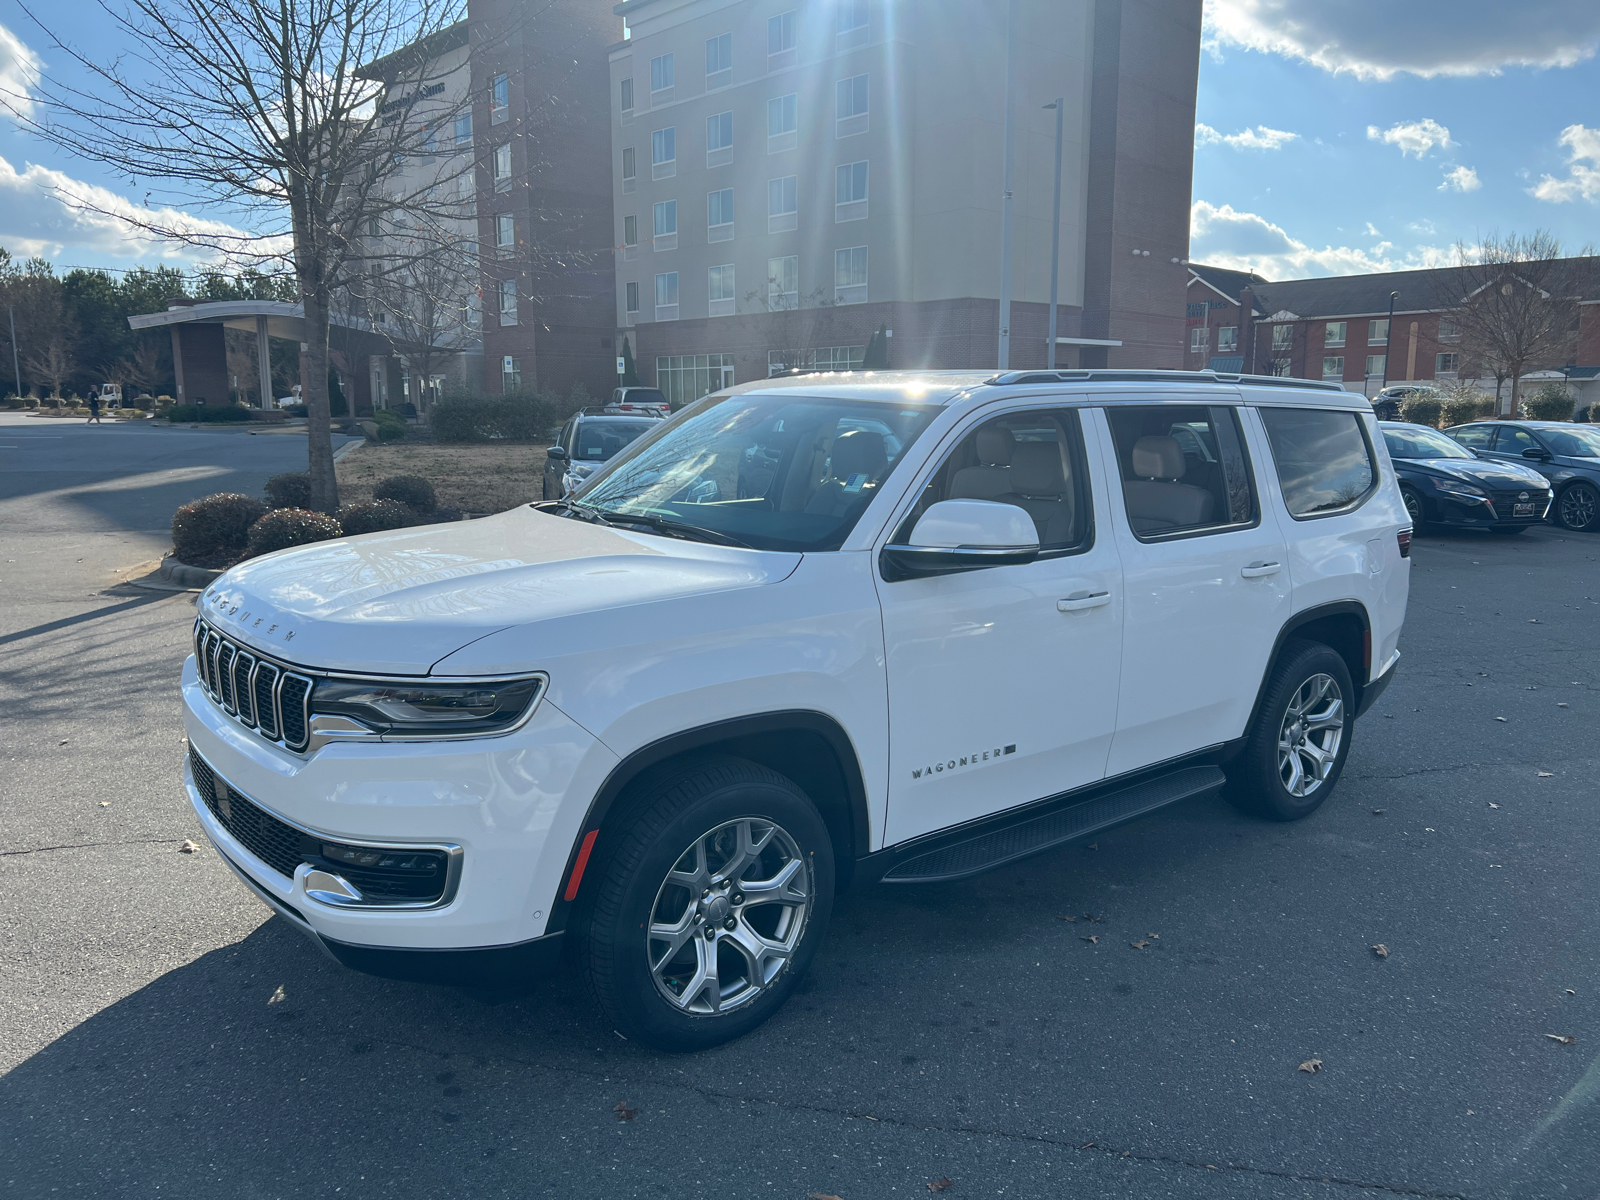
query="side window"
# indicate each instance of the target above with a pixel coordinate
(1033, 460)
(1183, 468)
(1324, 462)
(1514, 441)
(1474, 437)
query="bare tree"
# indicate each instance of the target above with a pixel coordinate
(1514, 300)
(801, 324)
(426, 310)
(269, 112)
(49, 345)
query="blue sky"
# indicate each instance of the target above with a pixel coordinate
(1335, 136)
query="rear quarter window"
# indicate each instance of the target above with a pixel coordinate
(1325, 463)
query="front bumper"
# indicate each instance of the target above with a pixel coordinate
(512, 804)
(1444, 509)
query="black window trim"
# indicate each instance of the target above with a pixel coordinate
(1372, 462)
(1179, 535)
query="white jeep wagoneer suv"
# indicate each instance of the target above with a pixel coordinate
(894, 627)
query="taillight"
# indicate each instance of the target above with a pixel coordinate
(1404, 538)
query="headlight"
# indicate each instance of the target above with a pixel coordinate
(1458, 486)
(422, 709)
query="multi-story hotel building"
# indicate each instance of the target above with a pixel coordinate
(790, 176)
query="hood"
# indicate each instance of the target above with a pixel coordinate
(1483, 471)
(398, 602)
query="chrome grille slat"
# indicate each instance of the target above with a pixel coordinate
(243, 694)
(226, 653)
(266, 699)
(253, 689)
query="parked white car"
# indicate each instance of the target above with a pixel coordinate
(897, 627)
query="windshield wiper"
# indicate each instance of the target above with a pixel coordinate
(587, 511)
(667, 525)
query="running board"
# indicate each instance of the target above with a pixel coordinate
(986, 851)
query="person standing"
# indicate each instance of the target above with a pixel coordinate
(94, 409)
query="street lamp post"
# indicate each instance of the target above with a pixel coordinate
(1055, 238)
(1388, 340)
(1005, 196)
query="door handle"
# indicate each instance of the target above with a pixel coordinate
(1258, 569)
(1079, 601)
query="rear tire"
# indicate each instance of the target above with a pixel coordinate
(1300, 738)
(710, 906)
(1578, 507)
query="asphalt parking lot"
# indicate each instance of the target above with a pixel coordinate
(163, 1037)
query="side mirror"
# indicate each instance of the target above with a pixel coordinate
(962, 535)
(556, 454)
(1537, 452)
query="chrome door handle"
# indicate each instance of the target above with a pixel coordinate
(1258, 569)
(1079, 601)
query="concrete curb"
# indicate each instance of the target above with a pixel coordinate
(184, 575)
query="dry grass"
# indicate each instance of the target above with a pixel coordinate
(474, 479)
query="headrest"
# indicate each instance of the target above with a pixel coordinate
(1157, 458)
(1036, 469)
(995, 445)
(859, 452)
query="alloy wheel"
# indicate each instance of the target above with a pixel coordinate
(729, 916)
(1413, 503)
(1310, 735)
(1578, 506)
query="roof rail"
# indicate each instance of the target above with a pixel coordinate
(1101, 375)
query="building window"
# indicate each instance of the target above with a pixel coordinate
(630, 237)
(510, 374)
(783, 282)
(1333, 368)
(719, 216)
(464, 129)
(824, 358)
(783, 204)
(666, 225)
(850, 275)
(1446, 364)
(667, 296)
(500, 100)
(508, 302)
(852, 23)
(1282, 337)
(1449, 331)
(1378, 333)
(781, 123)
(850, 192)
(1199, 336)
(627, 95)
(633, 297)
(719, 62)
(684, 378)
(1375, 365)
(850, 107)
(629, 170)
(664, 153)
(780, 41)
(505, 234)
(719, 290)
(430, 142)
(1228, 339)
(1333, 335)
(661, 80)
(719, 139)
(502, 167)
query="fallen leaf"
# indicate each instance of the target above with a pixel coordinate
(942, 1184)
(1492, 804)
(1499, 718)
(1377, 812)
(1085, 1146)
(278, 997)
(822, 1196)
(1066, 918)
(187, 847)
(1092, 919)
(1381, 950)
(1470, 1113)
(1564, 1039)
(1154, 937)
(1311, 1066)
(105, 804)
(1138, 945)
(1429, 829)
(624, 1113)
(62, 742)
(1094, 845)
(1561, 704)
(1545, 774)
(1091, 938)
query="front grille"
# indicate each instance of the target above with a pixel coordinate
(267, 697)
(385, 875)
(1502, 502)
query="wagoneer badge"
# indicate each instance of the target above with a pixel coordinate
(966, 760)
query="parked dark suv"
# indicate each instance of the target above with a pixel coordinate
(1566, 454)
(1443, 483)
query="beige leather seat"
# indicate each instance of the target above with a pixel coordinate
(856, 463)
(1040, 487)
(995, 445)
(1157, 501)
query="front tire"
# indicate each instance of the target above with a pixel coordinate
(1300, 738)
(1413, 503)
(1578, 508)
(711, 906)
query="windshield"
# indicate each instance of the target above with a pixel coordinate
(1572, 443)
(1421, 442)
(773, 472)
(598, 440)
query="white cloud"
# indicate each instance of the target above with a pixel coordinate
(1413, 137)
(1461, 179)
(1583, 173)
(1225, 237)
(1258, 138)
(1372, 230)
(19, 74)
(42, 212)
(1377, 39)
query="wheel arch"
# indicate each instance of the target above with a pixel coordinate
(1344, 626)
(810, 748)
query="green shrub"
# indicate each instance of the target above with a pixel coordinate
(1422, 408)
(215, 530)
(518, 417)
(1584, 415)
(391, 428)
(285, 527)
(1458, 410)
(415, 492)
(226, 414)
(374, 516)
(1552, 403)
(289, 490)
